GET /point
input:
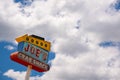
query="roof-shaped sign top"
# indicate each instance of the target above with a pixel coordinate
(35, 40)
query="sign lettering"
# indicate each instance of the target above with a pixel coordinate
(32, 61)
(33, 51)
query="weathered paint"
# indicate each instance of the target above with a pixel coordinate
(38, 42)
(33, 51)
(27, 60)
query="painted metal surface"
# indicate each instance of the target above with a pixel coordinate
(27, 60)
(33, 40)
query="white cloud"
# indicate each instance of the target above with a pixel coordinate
(9, 47)
(50, 17)
(89, 66)
(78, 55)
(16, 75)
(93, 65)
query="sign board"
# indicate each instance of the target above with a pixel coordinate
(27, 60)
(33, 51)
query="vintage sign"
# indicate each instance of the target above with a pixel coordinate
(35, 40)
(27, 60)
(33, 51)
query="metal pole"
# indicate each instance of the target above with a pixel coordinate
(28, 72)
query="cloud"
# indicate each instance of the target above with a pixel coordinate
(9, 47)
(90, 66)
(70, 46)
(16, 75)
(78, 54)
(57, 19)
(94, 65)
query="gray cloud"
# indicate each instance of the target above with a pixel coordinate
(107, 29)
(71, 46)
(78, 55)
(6, 31)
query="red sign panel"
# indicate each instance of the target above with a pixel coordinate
(27, 60)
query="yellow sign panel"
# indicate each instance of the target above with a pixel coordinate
(38, 42)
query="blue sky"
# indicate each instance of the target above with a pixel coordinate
(7, 48)
(24, 2)
(117, 5)
(84, 36)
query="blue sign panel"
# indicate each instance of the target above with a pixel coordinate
(33, 51)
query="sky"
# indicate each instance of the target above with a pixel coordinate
(84, 36)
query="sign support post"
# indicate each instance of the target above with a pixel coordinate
(28, 72)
